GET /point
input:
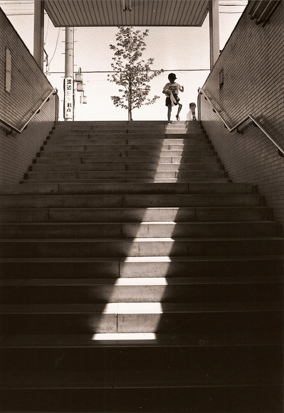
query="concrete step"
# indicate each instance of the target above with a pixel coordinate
(105, 136)
(142, 229)
(123, 188)
(154, 353)
(123, 344)
(148, 154)
(143, 126)
(116, 174)
(136, 125)
(97, 214)
(147, 166)
(56, 139)
(137, 267)
(132, 379)
(130, 140)
(162, 132)
(136, 290)
(136, 181)
(130, 201)
(194, 130)
(140, 318)
(117, 123)
(95, 159)
(139, 247)
(167, 398)
(144, 146)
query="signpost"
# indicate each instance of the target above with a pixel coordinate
(68, 98)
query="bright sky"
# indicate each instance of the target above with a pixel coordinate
(184, 51)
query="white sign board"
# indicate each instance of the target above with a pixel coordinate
(68, 98)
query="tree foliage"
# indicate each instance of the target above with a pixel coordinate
(132, 73)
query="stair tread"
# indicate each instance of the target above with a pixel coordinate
(139, 340)
(131, 181)
(150, 281)
(141, 308)
(124, 187)
(141, 240)
(192, 377)
(193, 223)
(144, 259)
(54, 188)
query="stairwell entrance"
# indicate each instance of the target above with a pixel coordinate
(136, 277)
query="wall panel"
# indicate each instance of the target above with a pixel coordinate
(253, 65)
(29, 87)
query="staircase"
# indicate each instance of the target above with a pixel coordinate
(135, 277)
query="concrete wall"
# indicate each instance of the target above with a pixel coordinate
(253, 65)
(29, 87)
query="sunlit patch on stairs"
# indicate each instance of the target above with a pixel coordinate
(124, 336)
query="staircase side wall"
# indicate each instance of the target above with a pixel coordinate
(253, 68)
(29, 87)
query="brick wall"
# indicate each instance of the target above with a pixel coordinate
(253, 66)
(29, 87)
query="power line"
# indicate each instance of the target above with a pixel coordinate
(113, 71)
(46, 31)
(55, 48)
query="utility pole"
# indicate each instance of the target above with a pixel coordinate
(69, 75)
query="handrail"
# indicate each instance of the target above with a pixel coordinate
(54, 92)
(247, 117)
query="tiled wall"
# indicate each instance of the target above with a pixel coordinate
(253, 66)
(29, 87)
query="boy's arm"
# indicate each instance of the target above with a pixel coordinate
(165, 89)
(181, 88)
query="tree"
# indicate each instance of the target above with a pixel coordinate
(131, 72)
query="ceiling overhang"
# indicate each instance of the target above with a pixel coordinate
(83, 13)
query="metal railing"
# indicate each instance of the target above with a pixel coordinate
(13, 128)
(246, 118)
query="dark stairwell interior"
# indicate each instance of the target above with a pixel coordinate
(136, 277)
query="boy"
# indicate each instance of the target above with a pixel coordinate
(171, 90)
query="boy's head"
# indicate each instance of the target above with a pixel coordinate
(172, 77)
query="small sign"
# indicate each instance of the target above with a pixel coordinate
(68, 98)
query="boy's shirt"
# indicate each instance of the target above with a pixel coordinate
(173, 87)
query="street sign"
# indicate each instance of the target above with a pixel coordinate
(68, 98)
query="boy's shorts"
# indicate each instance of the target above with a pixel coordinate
(168, 100)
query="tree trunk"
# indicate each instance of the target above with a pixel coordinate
(130, 101)
(129, 113)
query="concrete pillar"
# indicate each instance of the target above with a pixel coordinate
(69, 75)
(39, 32)
(214, 31)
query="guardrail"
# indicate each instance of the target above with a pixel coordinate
(13, 128)
(246, 118)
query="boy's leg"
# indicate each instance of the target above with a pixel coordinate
(179, 109)
(169, 113)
